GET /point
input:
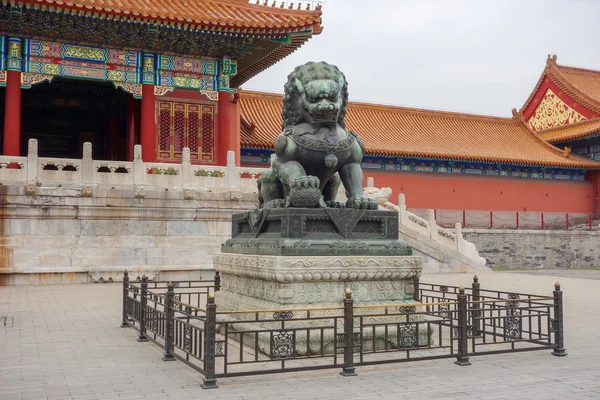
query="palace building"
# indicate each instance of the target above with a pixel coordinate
(543, 158)
(168, 76)
(162, 74)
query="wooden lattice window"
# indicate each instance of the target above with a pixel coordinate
(186, 125)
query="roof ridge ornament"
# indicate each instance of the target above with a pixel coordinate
(551, 59)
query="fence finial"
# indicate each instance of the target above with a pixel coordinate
(348, 292)
(557, 285)
(475, 279)
(461, 290)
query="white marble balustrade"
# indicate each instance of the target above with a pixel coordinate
(57, 171)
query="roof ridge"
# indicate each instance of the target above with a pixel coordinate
(577, 91)
(579, 69)
(257, 94)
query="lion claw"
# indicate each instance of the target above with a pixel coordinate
(362, 202)
(305, 182)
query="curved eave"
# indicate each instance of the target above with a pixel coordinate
(452, 158)
(224, 26)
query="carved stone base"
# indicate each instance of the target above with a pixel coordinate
(258, 282)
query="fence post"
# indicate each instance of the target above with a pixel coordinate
(210, 382)
(591, 221)
(217, 281)
(476, 306)
(463, 356)
(517, 220)
(559, 340)
(464, 219)
(169, 323)
(143, 302)
(124, 323)
(567, 220)
(416, 293)
(491, 219)
(542, 214)
(348, 369)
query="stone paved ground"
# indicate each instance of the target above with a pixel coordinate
(63, 342)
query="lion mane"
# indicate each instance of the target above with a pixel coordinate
(306, 73)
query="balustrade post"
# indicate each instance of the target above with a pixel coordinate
(476, 313)
(143, 302)
(210, 382)
(125, 322)
(87, 164)
(169, 323)
(432, 224)
(402, 208)
(186, 168)
(416, 290)
(217, 281)
(462, 358)
(138, 165)
(31, 167)
(232, 174)
(559, 340)
(348, 369)
(458, 237)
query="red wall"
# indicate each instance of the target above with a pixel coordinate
(430, 190)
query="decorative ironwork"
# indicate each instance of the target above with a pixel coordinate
(444, 289)
(356, 339)
(407, 309)
(341, 340)
(177, 306)
(456, 332)
(282, 345)
(219, 348)
(513, 304)
(444, 309)
(512, 327)
(283, 315)
(187, 338)
(407, 336)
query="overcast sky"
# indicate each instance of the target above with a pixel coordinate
(476, 56)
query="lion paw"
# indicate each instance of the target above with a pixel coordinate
(361, 202)
(305, 182)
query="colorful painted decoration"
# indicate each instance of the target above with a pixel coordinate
(552, 112)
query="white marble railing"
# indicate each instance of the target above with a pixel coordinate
(34, 169)
(429, 228)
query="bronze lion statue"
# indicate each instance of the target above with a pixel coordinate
(315, 153)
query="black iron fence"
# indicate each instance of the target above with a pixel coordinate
(442, 322)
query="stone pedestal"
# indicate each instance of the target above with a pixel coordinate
(251, 281)
(291, 259)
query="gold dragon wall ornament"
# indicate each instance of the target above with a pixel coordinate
(552, 112)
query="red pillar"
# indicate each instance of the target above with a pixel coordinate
(132, 127)
(228, 135)
(148, 126)
(12, 114)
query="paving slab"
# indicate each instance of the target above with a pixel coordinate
(64, 342)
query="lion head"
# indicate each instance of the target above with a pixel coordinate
(315, 93)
